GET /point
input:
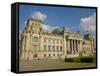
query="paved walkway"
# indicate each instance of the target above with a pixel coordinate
(50, 64)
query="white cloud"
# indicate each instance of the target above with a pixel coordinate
(88, 23)
(49, 28)
(38, 15)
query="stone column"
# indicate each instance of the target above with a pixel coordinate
(72, 46)
(68, 45)
(80, 45)
(64, 45)
(77, 45)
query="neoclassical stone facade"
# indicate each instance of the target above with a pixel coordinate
(37, 44)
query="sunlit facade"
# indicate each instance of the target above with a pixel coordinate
(38, 44)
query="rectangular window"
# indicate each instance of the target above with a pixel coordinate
(49, 47)
(35, 48)
(53, 48)
(57, 48)
(61, 42)
(44, 55)
(60, 48)
(44, 47)
(44, 40)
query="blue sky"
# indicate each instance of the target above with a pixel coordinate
(58, 16)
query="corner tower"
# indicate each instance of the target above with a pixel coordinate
(30, 39)
(35, 25)
(91, 39)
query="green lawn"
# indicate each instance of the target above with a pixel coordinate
(79, 65)
(78, 59)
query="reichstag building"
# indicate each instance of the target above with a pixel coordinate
(38, 44)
